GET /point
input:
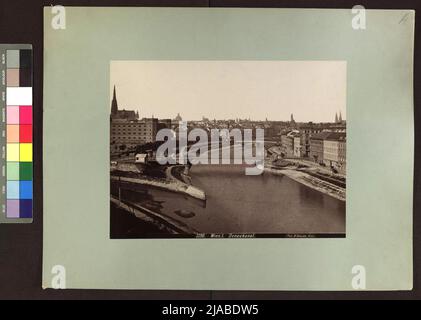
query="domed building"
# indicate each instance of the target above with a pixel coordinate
(178, 118)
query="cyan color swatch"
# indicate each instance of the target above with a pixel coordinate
(12, 189)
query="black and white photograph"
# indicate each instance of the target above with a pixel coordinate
(195, 153)
(227, 149)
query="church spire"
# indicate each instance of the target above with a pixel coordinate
(336, 117)
(114, 106)
(340, 116)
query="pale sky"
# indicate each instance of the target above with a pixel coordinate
(311, 90)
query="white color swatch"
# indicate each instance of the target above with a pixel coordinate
(19, 96)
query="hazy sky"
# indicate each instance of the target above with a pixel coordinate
(311, 90)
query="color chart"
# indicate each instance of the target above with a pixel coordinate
(16, 138)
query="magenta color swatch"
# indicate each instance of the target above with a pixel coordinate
(25, 114)
(12, 114)
(12, 209)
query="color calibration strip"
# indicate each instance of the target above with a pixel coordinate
(17, 193)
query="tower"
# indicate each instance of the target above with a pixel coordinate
(114, 106)
(292, 118)
(336, 117)
(340, 117)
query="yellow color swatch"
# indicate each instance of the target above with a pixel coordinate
(12, 151)
(25, 152)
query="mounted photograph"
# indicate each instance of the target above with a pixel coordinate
(227, 149)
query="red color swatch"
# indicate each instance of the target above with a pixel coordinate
(25, 133)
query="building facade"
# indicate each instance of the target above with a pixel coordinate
(126, 130)
(307, 130)
(342, 156)
(297, 146)
(330, 152)
(334, 151)
(132, 133)
(287, 145)
(164, 124)
(317, 146)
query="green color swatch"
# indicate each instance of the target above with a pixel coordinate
(13, 170)
(25, 171)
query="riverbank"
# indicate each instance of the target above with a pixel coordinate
(162, 178)
(309, 174)
(310, 181)
(153, 222)
(185, 185)
(125, 224)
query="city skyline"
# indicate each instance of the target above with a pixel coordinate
(314, 90)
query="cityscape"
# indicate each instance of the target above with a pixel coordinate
(312, 155)
(321, 143)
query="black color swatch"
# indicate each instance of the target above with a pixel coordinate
(25, 77)
(25, 59)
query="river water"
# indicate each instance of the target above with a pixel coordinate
(237, 203)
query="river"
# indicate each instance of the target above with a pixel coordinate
(236, 203)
